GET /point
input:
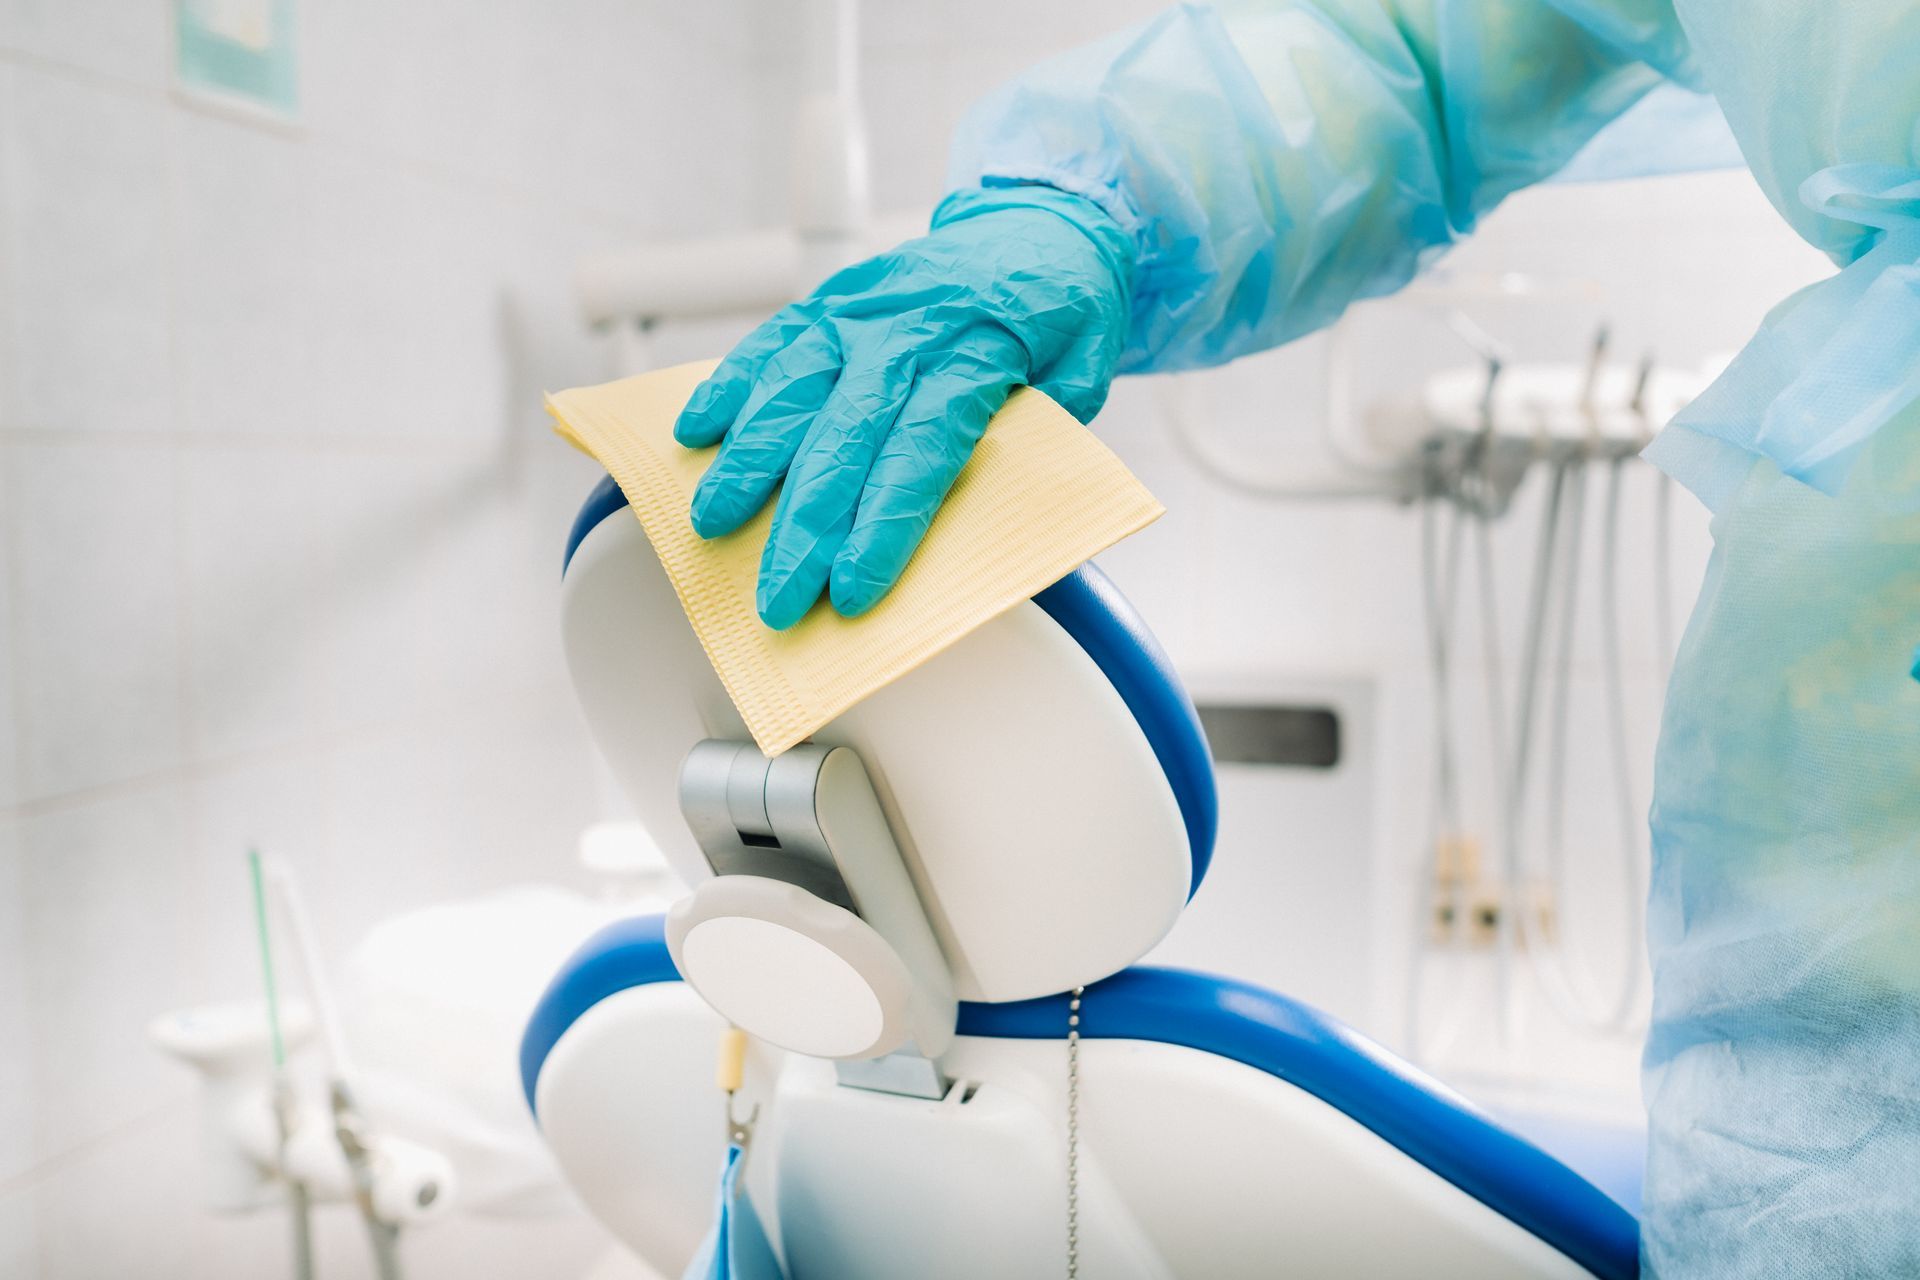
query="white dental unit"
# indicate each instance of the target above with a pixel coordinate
(897, 911)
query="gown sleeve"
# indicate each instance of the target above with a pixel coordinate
(1274, 161)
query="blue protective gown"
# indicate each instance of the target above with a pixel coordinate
(1273, 162)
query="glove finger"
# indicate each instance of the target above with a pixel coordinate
(793, 387)
(822, 492)
(930, 442)
(718, 400)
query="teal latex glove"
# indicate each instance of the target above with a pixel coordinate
(867, 398)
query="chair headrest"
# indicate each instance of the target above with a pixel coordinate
(1046, 778)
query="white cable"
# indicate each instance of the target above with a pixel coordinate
(1439, 593)
(1513, 808)
(356, 1144)
(1559, 977)
(1442, 594)
(1630, 824)
(1339, 420)
(1563, 665)
(1186, 437)
(1663, 571)
(313, 975)
(1554, 972)
(1554, 978)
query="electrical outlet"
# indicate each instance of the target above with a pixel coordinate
(1468, 908)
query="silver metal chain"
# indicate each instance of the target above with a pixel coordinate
(1073, 1134)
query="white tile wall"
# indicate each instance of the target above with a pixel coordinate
(16, 1062)
(118, 1208)
(257, 596)
(88, 322)
(281, 518)
(19, 1231)
(372, 300)
(109, 937)
(242, 259)
(7, 218)
(375, 655)
(108, 38)
(924, 66)
(364, 81)
(11, 698)
(96, 611)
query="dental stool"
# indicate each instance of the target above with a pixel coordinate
(896, 911)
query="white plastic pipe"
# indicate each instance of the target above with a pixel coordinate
(411, 1183)
(749, 273)
(724, 275)
(760, 271)
(832, 196)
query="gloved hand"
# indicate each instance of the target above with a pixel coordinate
(868, 396)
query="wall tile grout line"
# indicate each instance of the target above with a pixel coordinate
(30, 1177)
(10, 518)
(316, 748)
(436, 444)
(81, 76)
(15, 624)
(176, 464)
(531, 197)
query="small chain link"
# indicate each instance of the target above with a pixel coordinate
(1073, 1134)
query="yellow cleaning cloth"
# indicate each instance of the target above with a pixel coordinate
(1040, 496)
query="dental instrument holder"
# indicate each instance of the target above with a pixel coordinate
(810, 935)
(1474, 433)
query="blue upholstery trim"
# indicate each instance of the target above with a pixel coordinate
(1350, 1073)
(627, 953)
(1230, 1020)
(1087, 606)
(1612, 1155)
(605, 499)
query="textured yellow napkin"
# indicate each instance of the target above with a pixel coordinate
(1040, 496)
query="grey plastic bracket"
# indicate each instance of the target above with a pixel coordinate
(810, 818)
(758, 817)
(904, 1072)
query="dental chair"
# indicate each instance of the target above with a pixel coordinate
(898, 911)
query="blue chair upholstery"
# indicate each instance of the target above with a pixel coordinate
(1229, 1019)
(1088, 607)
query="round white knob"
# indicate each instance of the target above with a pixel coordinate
(790, 968)
(411, 1183)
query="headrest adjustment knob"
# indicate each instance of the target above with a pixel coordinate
(790, 968)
